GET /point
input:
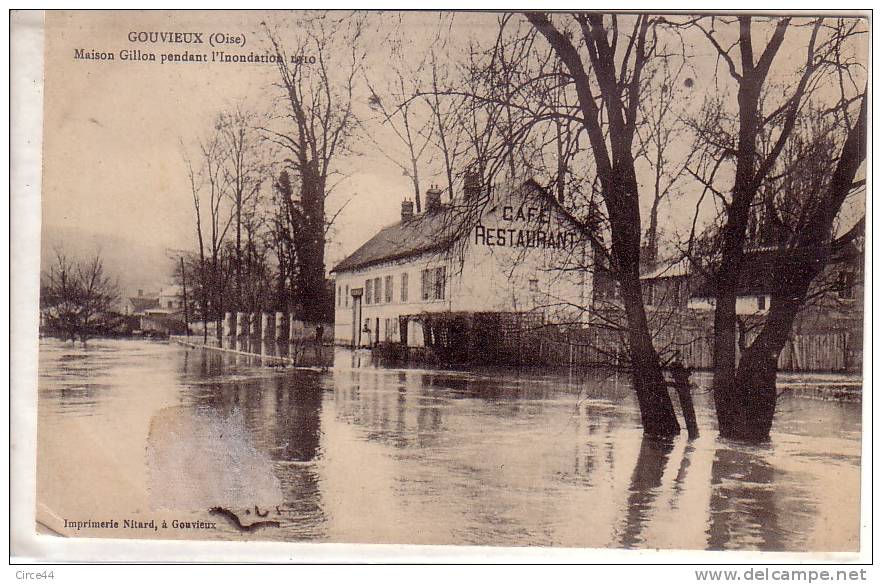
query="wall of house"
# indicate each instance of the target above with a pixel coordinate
(171, 298)
(506, 280)
(744, 305)
(379, 319)
(504, 266)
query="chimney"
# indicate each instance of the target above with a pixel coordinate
(406, 210)
(471, 188)
(433, 199)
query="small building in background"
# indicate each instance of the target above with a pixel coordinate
(159, 312)
(827, 334)
(140, 304)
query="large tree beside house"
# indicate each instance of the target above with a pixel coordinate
(606, 64)
(608, 84)
(318, 98)
(774, 109)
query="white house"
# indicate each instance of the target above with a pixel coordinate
(511, 252)
(161, 311)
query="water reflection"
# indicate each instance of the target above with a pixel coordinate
(645, 482)
(282, 416)
(482, 457)
(743, 501)
(258, 351)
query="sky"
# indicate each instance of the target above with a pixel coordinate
(116, 133)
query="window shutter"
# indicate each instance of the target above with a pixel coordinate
(440, 282)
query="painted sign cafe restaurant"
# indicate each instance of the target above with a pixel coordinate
(462, 269)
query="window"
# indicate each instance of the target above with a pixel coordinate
(534, 284)
(388, 288)
(424, 284)
(676, 292)
(649, 293)
(368, 287)
(434, 283)
(845, 285)
(346, 296)
(169, 303)
(339, 295)
(378, 290)
(388, 324)
(761, 302)
(440, 282)
(404, 287)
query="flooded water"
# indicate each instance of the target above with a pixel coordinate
(150, 431)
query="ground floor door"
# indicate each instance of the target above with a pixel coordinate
(356, 320)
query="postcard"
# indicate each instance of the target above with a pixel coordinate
(588, 281)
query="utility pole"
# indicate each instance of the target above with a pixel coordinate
(184, 286)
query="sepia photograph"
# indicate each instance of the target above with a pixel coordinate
(548, 280)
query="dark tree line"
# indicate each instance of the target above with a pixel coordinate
(259, 183)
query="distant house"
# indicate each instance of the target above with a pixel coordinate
(158, 312)
(140, 304)
(668, 285)
(827, 334)
(839, 287)
(680, 285)
(171, 300)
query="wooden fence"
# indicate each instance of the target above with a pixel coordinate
(832, 351)
(814, 349)
(523, 339)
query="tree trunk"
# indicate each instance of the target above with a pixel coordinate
(312, 262)
(615, 169)
(656, 407)
(728, 275)
(239, 251)
(650, 254)
(751, 409)
(746, 404)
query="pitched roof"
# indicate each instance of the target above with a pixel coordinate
(141, 303)
(760, 266)
(424, 233)
(420, 234)
(667, 270)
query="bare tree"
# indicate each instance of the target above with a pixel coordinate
(618, 76)
(286, 238)
(319, 99)
(409, 119)
(244, 172)
(744, 392)
(658, 134)
(209, 189)
(76, 296)
(447, 138)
